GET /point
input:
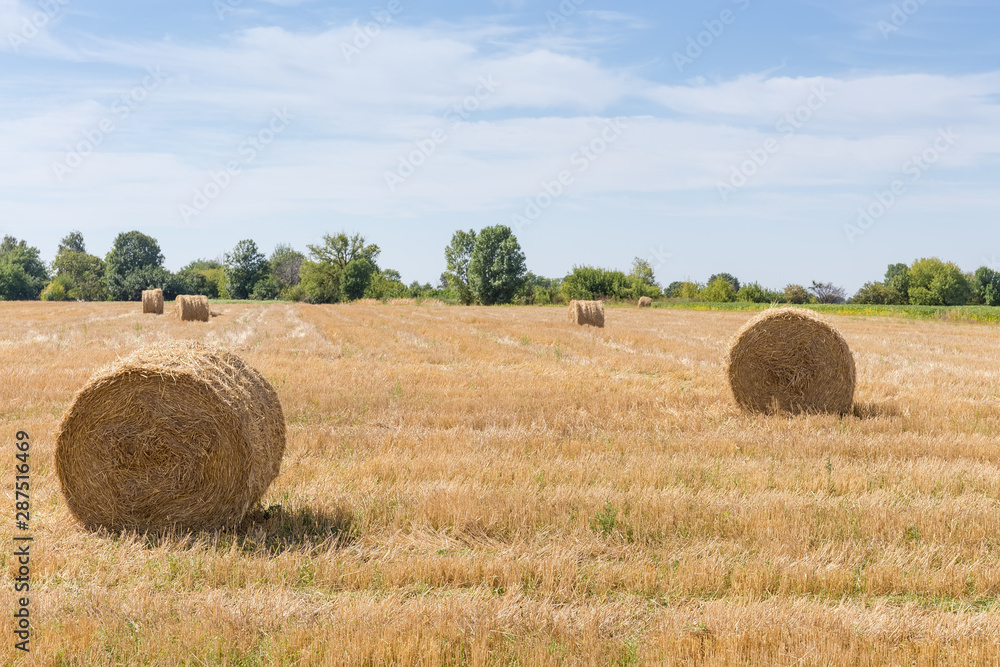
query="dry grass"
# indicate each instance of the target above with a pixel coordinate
(484, 486)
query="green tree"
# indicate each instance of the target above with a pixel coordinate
(134, 263)
(754, 293)
(356, 278)
(642, 272)
(457, 256)
(286, 263)
(719, 290)
(827, 292)
(245, 267)
(81, 274)
(729, 278)
(987, 286)
(796, 294)
(496, 267)
(321, 275)
(73, 242)
(897, 276)
(22, 273)
(937, 283)
(673, 291)
(203, 276)
(878, 294)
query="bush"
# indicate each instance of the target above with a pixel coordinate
(796, 294)
(58, 290)
(754, 293)
(719, 290)
(986, 285)
(878, 294)
(266, 289)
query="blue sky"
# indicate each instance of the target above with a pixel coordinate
(779, 141)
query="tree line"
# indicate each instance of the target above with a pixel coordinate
(487, 267)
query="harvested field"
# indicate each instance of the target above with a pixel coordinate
(491, 486)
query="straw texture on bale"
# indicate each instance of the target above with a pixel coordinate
(645, 302)
(152, 301)
(587, 313)
(176, 436)
(789, 360)
(193, 308)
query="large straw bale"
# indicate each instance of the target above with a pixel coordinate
(193, 308)
(645, 302)
(790, 360)
(152, 301)
(174, 436)
(587, 313)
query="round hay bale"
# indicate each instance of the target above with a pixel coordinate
(790, 360)
(174, 436)
(193, 308)
(587, 313)
(152, 301)
(645, 302)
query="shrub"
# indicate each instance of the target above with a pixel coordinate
(878, 294)
(58, 290)
(719, 290)
(266, 289)
(796, 294)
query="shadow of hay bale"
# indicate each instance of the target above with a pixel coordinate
(875, 411)
(266, 532)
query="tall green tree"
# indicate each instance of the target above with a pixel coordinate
(457, 256)
(22, 272)
(133, 264)
(496, 267)
(286, 263)
(987, 286)
(897, 276)
(937, 283)
(80, 274)
(356, 278)
(321, 275)
(729, 278)
(245, 267)
(642, 271)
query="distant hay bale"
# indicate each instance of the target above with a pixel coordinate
(152, 301)
(193, 308)
(645, 302)
(790, 360)
(587, 313)
(174, 436)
